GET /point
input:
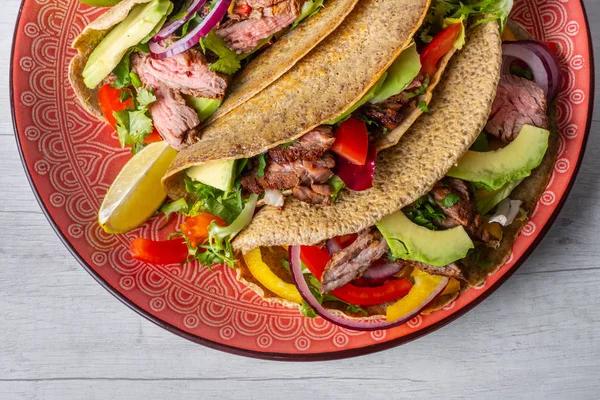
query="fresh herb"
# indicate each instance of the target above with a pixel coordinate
(307, 310)
(226, 206)
(423, 106)
(228, 62)
(133, 126)
(179, 206)
(122, 71)
(337, 184)
(309, 8)
(450, 200)
(420, 91)
(424, 212)
(286, 145)
(262, 163)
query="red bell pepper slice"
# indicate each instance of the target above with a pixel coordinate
(316, 259)
(243, 9)
(441, 45)
(352, 141)
(159, 252)
(196, 228)
(110, 102)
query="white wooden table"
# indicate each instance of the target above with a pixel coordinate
(62, 336)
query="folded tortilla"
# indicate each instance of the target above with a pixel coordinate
(458, 113)
(322, 86)
(257, 75)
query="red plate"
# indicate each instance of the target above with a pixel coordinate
(71, 160)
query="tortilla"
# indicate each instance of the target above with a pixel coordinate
(275, 61)
(85, 44)
(458, 113)
(258, 74)
(323, 85)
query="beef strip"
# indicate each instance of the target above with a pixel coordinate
(350, 263)
(267, 18)
(518, 102)
(462, 213)
(305, 167)
(451, 270)
(310, 147)
(391, 112)
(187, 72)
(172, 117)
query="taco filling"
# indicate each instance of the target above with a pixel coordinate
(165, 66)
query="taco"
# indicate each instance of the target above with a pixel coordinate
(150, 67)
(318, 128)
(393, 251)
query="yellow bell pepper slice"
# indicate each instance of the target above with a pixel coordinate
(508, 35)
(453, 287)
(261, 271)
(424, 285)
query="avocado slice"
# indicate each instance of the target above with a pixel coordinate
(401, 74)
(487, 200)
(220, 175)
(409, 241)
(204, 107)
(100, 3)
(494, 169)
(141, 21)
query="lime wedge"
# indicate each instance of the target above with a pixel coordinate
(137, 192)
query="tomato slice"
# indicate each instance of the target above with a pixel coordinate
(196, 228)
(316, 259)
(441, 45)
(108, 98)
(159, 252)
(352, 141)
(244, 9)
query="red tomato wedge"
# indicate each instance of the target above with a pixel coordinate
(159, 252)
(441, 45)
(316, 259)
(196, 228)
(352, 141)
(110, 102)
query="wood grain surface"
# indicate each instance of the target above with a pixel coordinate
(62, 336)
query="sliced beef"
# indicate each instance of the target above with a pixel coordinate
(267, 18)
(463, 213)
(518, 102)
(310, 147)
(186, 72)
(304, 167)
(315, 194)
(451, 270)
(351, 262)
(391, 112)
(172, 117)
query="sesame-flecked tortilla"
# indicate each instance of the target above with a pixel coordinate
(320, 87)
(275, 61)
(258, 74)
(458, 113)
(85, 44)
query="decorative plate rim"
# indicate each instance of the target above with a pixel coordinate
(327, 356)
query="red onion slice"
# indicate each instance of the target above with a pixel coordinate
(172, 26)
(382, 272)
(357, 325)
(159, 51)
(541, 61)
(333, 247)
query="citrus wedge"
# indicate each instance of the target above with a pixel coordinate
(137, 192)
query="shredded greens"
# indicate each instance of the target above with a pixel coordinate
(309, 8)
(450, 200)
(424, 212)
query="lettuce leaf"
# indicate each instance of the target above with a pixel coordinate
(309, 8)
(402, 72)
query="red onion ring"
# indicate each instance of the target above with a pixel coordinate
(357, 325)
(382, 272)
(541, 61)
(333, 247)
(159, 51)
(172, 26)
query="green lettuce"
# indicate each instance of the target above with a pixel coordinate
(309, 8)
(402, 72)
(367, 97)
(486, 201)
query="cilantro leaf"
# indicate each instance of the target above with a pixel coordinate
(145, 97)
(133, 126)
(424, 212)
(450, 200)
(122, 71)
(228, 62)
(262, 163)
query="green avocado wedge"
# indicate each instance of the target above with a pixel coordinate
(494, 169)
(409, 241)
(220, 175)
(141, 21)
(100, 3)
